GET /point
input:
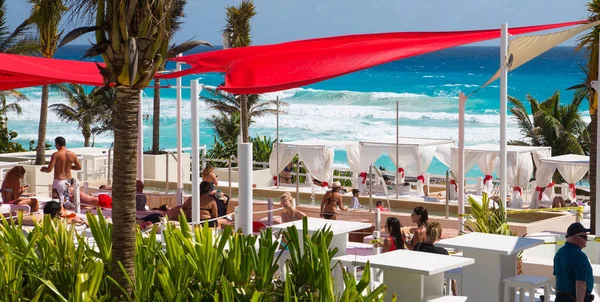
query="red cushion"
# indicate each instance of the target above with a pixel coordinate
(105, 201)
(257, 226)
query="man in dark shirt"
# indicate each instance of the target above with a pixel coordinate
(574, 277)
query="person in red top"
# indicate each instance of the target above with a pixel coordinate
(380, 206)
(395, 241)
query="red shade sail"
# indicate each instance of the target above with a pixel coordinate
(260, 69)
(26, 71)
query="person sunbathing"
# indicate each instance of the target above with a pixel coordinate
(289, 212)
(12, 191)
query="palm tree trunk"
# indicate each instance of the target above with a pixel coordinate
(592, 172)
(86, 132)
(156, 118)
(126, 134)
(40, 155)
(244, 118)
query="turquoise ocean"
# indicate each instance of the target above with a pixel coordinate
(361, 105)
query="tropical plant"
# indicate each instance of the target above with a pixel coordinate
(173, 52)
(237, 34)
(46, 15)
(484, 218)
(133, 38)
(229, 107)
(558, 126)
(84, 108)
(589, 43)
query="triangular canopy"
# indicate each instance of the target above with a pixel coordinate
(260, 69)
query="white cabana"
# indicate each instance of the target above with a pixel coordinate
(572, 167)
(414, 156)
(316, 154)
(520, 163)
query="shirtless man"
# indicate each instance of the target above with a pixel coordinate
(62, 161)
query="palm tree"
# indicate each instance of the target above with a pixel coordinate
(558, 126)
(173, 52)
(46, 15)
(227, 126)
(589, 42)
(83, 108)
(237, 34)
(15, 42)
(133, 38)
(230, 104)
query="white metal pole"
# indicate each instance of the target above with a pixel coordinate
(503, 97)
(179, 134)
(597, 97)
(245, 188)
(397, 149)
(462, 99)
(277, 140)
(195, 90)
(140, 141)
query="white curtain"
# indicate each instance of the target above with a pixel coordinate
(519, 171)
(572, 174)
(487, 163)
(444, 154)
(286, 155)
(353, 154)
(544, 186)
(368, 155)
(318, 162)
(543, 177)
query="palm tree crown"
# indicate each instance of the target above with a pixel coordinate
(86, 109)
(552, 124)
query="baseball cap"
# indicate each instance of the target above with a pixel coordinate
(576, 228)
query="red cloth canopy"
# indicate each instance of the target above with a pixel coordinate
(267, 68)
(26, 71)
(260, 69)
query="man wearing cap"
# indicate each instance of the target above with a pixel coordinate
(574, 278)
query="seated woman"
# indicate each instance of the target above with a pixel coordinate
(560, 202)
(420, 217)
(12, 190)
(395, 241)
(434, 233)
(209, 176)
(289, 212)
(332, 200)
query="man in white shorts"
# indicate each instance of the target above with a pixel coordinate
(62, 161)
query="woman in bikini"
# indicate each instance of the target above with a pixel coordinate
(286, 174)
(420, 217)
(331, 201)
(209, 176)
(12, 189)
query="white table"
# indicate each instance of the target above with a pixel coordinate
(413, 276)
(340, 229)
(495, 259)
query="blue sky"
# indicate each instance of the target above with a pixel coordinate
(285, 20)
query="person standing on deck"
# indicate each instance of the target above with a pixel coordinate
(62, 162)
(572, 268)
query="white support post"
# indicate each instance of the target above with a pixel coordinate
(77, 197)
(377, 219)
(277, 140)
(503, 105)
(460, 181)
(140, 141)
(397, 147)
(195, 90)
(270, 214)
(179, 135)
(245, 188)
